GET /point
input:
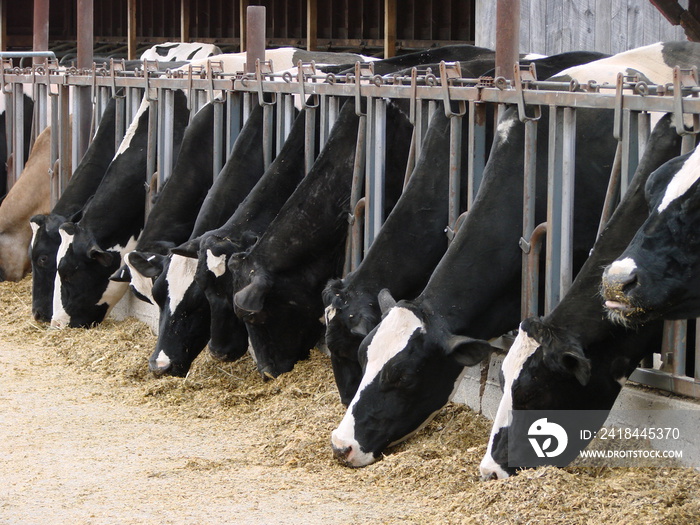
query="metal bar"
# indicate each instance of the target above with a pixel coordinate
(167, 157)
(508, 41)
(566, 271)
(529, 303)
(234, 110)
(354, 254)
(64, 149)
(56, 129)
(17, 134)
(309, 138)
(255, 36)
(477, 149)
(280, 127)
(218, 148)
(40, 37)
(530, 272)
(630, 149)
(455, 170)
(554, 183)
(267, 135)
(375, 184)
(613, 192)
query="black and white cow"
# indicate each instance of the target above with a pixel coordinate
(81, 187)
(278, 282)
(658, 274)
(228, 335)
(179, 51)
(414, 358)
(184, 311)
(91, 249)
(575, 358)
(171, 220)
(407, 249)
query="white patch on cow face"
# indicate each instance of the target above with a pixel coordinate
(622, 267)
(521, 350)
(131, 131)
(504, 128)
(392, 336)
(116, 290)
(141, 283)
(180, 277)
(216, 263)
(682, 181)
(162, 361)
(60, 318)
(35, 229)
(329, 314)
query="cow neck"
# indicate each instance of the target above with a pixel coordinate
(242, 171)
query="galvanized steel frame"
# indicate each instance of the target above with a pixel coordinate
(630, 99)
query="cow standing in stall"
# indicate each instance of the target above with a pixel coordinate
(575, 358)
(414, 358)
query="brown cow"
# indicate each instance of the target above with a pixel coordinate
(31, 194)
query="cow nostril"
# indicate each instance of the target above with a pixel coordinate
(342, 453)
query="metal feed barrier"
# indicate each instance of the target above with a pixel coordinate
(630, 99)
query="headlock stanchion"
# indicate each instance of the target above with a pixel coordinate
(631, 101)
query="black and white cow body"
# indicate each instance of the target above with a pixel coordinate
(413, 359)
(658, 274)
(278, 283)
(407, 248)
(185, 325)
(91, 249)
(178, 51)
(405, 252)
(575, 358)
(171, 220)
(81, 187)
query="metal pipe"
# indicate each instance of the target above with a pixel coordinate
(567, 200)
(455, 169)
(309, 138)
(508, 41)
(255, 36)
(529, 304)
(218, 147)
(613, 191)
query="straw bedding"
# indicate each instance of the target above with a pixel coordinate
(290, 420)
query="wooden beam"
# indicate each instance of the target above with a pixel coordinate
(244, 24)
(184, 20)
(676, 15)
(311, 25)
(131, 29)
(389, 28)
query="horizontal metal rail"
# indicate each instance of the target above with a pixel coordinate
(630, 99)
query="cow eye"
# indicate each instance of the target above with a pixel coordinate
(41, 261)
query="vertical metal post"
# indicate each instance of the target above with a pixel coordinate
(529, 302)
(218, 137)
(54, 152)
(374, 185)
(233, 119)
(309, 138)
(477, 149)
(64, 145)
(280, 125)
(355, 252)
(554, 183)
(455, 170)
(17, 134)
(165, 147)
(508, 42)
(40, 38)
(630, 148)
(255, 36)
(82, 114)
(267, 135)
(567, 200)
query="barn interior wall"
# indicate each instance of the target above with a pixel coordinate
(555, 26)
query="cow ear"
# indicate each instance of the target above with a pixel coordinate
(248, 239)
(574, 363)
(98, 254)
(39, 220)
(122, 275)
(147, 264)
(386, 301)
(252, 298)
(467, 351)
(362, 326)
(69, 227)
(188, 249)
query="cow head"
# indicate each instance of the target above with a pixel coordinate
(410, 370)
(141, 269)
(228, 335)
(658, 274)
(349, 316)
(548, 367)
(83, 293)
(280, 329)
(44, 247)
(184, 317)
